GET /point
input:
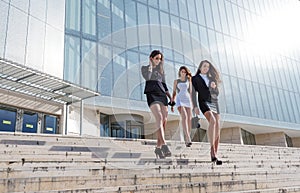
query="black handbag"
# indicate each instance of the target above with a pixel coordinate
(195, 122)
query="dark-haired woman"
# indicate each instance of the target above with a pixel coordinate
(206, 82)
(157, 98)
(182, 91)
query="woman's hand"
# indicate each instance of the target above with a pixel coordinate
(213, 85)
(150, 68)
(196, 110)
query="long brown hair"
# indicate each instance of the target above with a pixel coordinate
(188, 72)
(212, 73)
(161, 64)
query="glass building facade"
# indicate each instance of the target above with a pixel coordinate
(102, 44)
(107, 41)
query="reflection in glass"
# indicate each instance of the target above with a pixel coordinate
(89, 17)
(72, 59)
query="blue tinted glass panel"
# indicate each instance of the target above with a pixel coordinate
(265, 101)
(104, 18)
(244, 98)
(72, 59)
(230, 107)
(237, 96)
(216, 16)
(142, 14)
(106, 80)
(203, 38)
(259, 102)
(283, 102)
(120, 76)
(164, 5)
(251, 97)
(230, 18)
(183, 9)
(208, 14)
(173, 7)
(89, 17)
(289, 106)
(272, 103)
(130, 13)
(200, 12)
(192, 11)
(223, 17)
(73, 14)
(153, 3)
(230, 56)
(89, 64)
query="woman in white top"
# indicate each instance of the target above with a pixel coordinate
(183, 88)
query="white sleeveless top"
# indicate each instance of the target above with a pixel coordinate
(183, 98)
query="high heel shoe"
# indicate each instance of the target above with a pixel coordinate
(218, 162)
(166, 151)
(159, 154)
(188, 144)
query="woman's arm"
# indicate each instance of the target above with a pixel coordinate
(174, 94)
(147, 72)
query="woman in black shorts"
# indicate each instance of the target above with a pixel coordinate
(157, 92)
(205, 82)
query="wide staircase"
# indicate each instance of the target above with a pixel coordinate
(64, 164)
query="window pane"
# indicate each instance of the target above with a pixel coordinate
(89, 17)
(244, 98)
(173, 7)
(237, 96)
(265, 101)
(89, 64)
(130, 13)
(200, 12)
(230, 107)
(216, 16)
(252, 101)
(120, 76)
(183, 8)
(104, 18)
(192, 10)
(223, 17)
(72, 59)
(259, 102)
(208, 14)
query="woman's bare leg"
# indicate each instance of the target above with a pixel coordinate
(159, 123)
(211, 131)
(185, 122)
(189, 122)
(217, 133)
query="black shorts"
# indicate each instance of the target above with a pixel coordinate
(209, 106)
(157, 98)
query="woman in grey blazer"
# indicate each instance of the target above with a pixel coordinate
(157, 92)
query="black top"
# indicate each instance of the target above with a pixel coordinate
(155, 81)
(205, 93)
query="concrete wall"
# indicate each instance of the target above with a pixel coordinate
(296, 141)
(272, 139)
(231, 135)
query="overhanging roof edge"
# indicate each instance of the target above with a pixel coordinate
(19, 83)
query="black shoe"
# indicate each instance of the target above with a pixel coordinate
(188, 144)
(166, 151)
(159, 154)
(215, 160)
